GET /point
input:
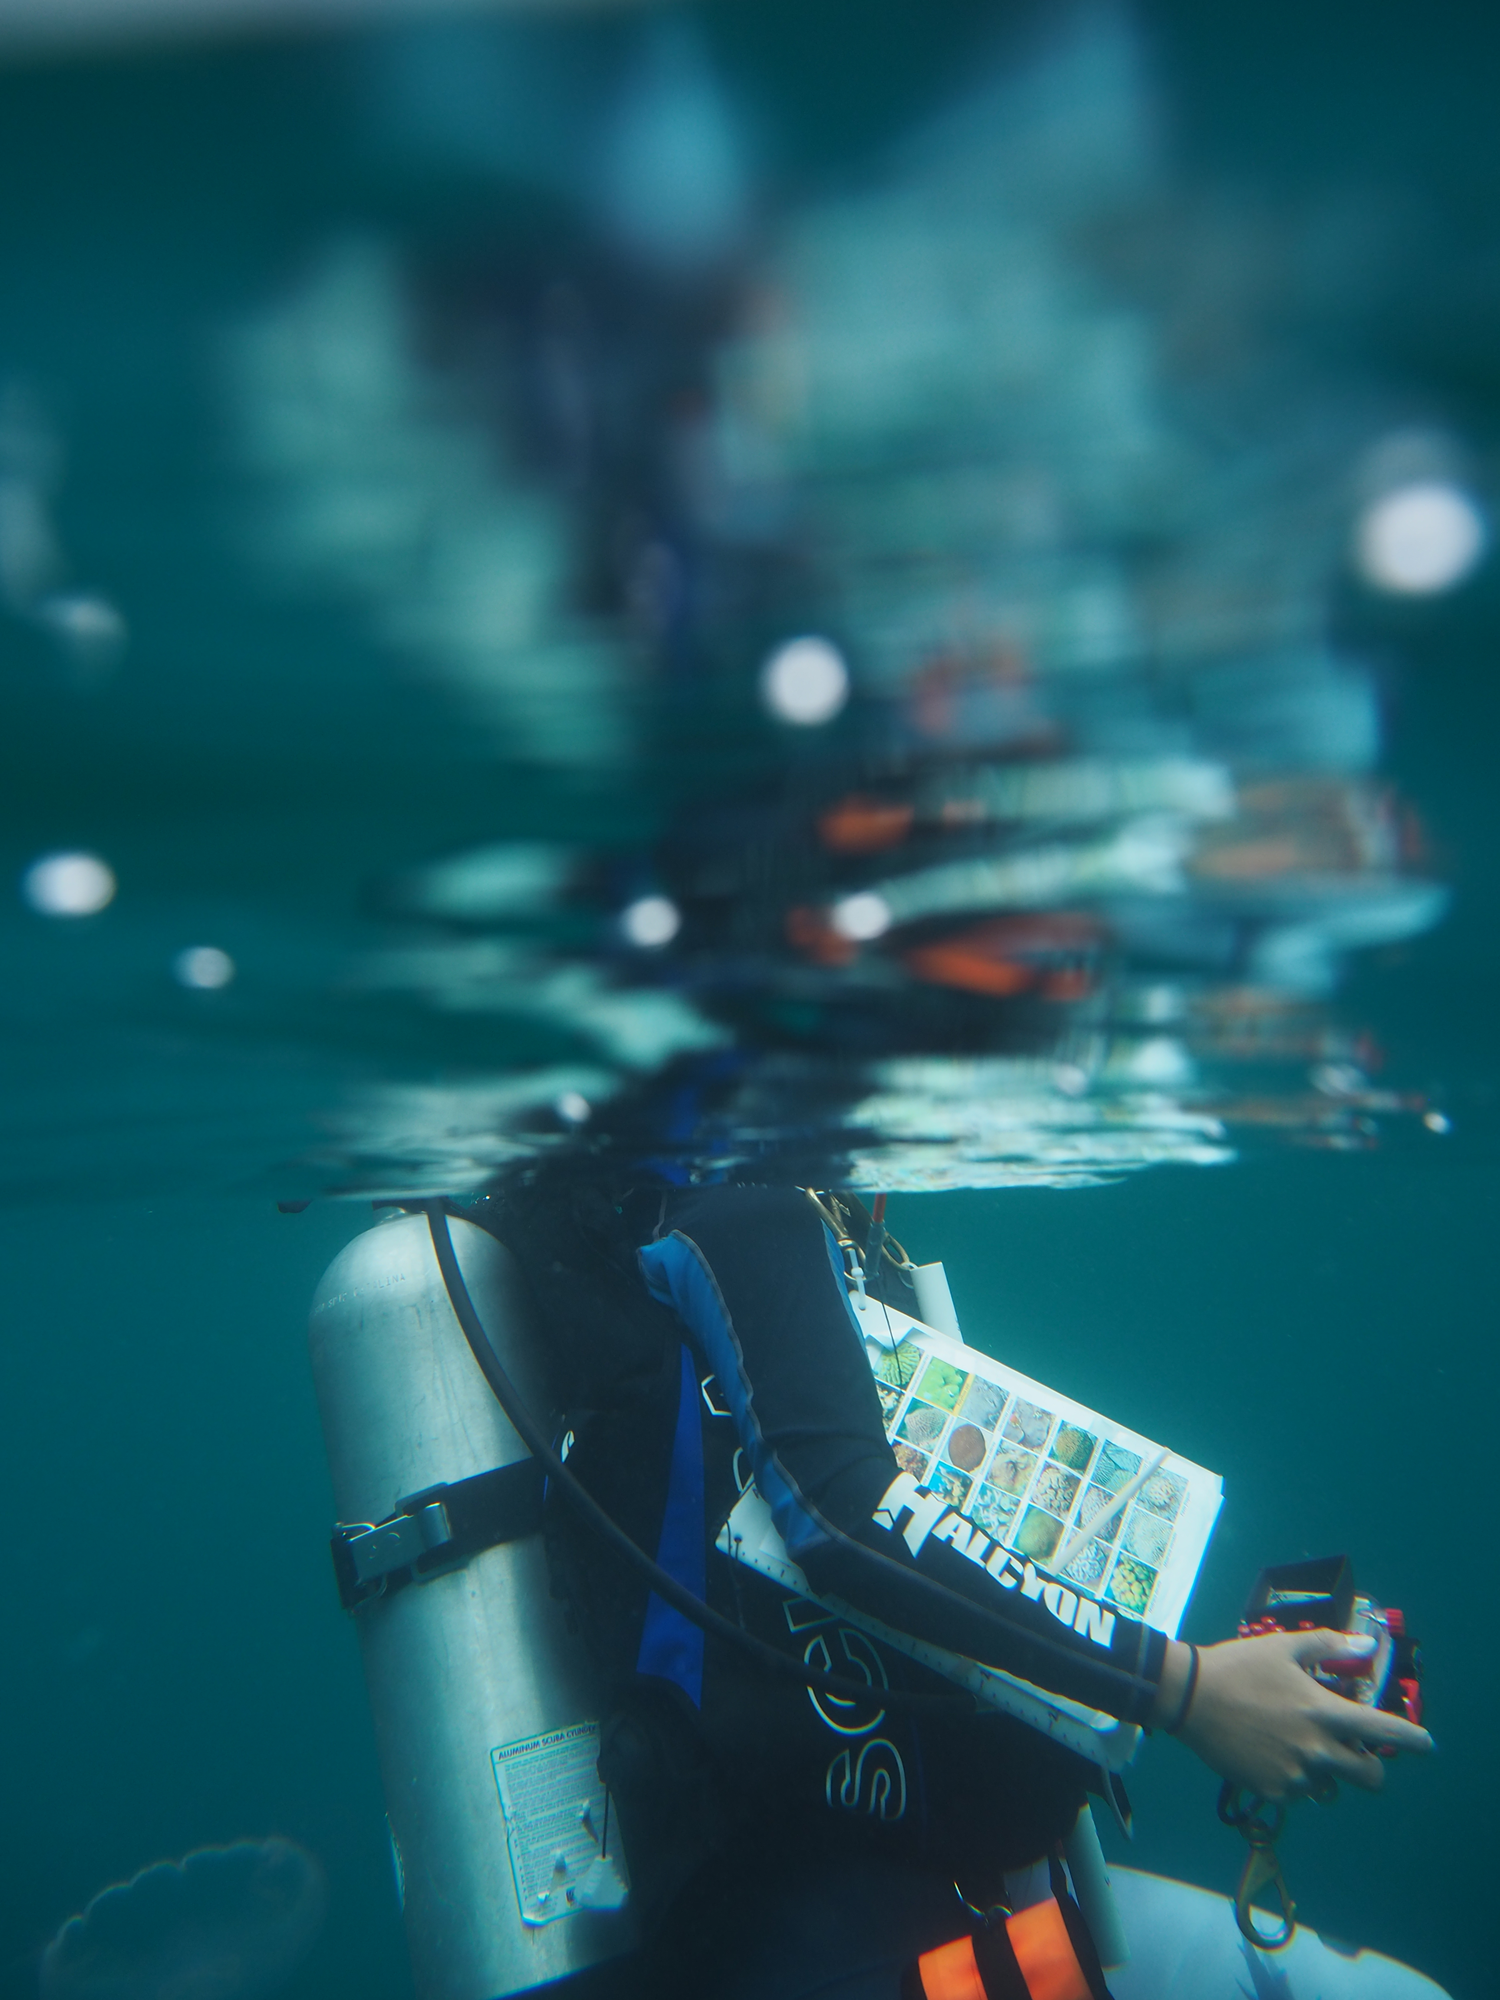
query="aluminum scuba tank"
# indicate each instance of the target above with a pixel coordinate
(486, 1718)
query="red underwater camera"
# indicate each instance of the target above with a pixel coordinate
(1319, 1596)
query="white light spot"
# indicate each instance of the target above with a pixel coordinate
(1339, 1079)
(1159, 1060)
(1419, 538)
(805, 682)
(68, 885)
(88, 628)
(203, 965)
(573, 1108)
(1162, 1004)
(861, 917)
(1437, 1121)
(651, 922)
(1070, 1079)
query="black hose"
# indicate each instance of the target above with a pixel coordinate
(662, 1581)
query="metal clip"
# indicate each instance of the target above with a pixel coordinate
(399, 1542)
(368, 1552)
(1261, 1867)
(437, 1530)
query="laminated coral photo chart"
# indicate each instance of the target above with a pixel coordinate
(1122, 1521)
(1034, 1469)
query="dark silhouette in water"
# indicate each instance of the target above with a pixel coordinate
(224, 1923)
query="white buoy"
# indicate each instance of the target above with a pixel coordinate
(1187, 1946)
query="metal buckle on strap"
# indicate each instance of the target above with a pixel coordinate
(398, 1543)
(435, 1531)
(368, 1555)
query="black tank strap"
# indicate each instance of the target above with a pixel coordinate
(1079, 1935)
(437, 1530)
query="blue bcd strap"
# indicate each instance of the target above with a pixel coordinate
(671, 1647)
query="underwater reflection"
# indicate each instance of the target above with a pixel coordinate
(847, 670)
(966, 627)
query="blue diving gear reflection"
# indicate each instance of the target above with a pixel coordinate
(673, 1784)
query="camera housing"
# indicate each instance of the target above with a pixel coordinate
(1319, 1595)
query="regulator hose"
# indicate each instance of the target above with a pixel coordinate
(662, 1582)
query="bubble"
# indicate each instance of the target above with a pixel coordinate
(1437, 1121)
(573, 1108)
(1419, 538)
(650, 922)
(805, 682)
(203, 965)
(233, 1923)
(861, 917)
(69, 885)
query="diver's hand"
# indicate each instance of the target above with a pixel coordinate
(1259, 1718)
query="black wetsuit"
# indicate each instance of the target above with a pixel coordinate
(702, 1336)
(749, 1271)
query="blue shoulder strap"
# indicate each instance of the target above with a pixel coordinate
(671, 1646)
(676, 1273)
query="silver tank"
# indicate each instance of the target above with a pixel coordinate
(469, 1662)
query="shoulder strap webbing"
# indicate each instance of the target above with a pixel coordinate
(671, 1647)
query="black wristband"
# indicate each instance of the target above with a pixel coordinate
(1188, 1692)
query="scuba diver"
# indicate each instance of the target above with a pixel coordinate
(699, 1338)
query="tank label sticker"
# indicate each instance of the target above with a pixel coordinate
(557, 1824)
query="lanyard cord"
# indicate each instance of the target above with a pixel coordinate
(662, 1582)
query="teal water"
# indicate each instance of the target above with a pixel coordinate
(179, 1672)
(275, 324)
